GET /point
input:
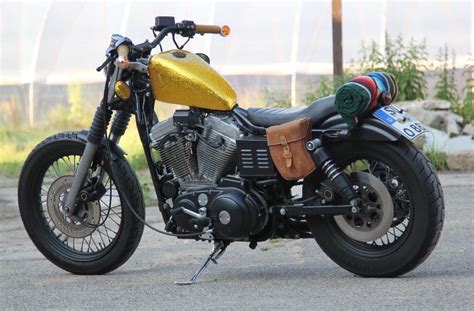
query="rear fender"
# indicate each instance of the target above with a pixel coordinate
(370, 129)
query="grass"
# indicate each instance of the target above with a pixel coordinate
(438, 158)
(17, 143)
(465, 110)
(147, 187)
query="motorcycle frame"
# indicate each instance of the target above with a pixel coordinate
(142, 103)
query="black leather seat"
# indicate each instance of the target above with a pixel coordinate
(317, 111)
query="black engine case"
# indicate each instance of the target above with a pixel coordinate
(235, 214)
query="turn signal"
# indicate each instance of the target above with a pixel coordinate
(225, 31)
(122, 90)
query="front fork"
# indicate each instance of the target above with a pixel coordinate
(94, 139)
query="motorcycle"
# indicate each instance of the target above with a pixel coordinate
(372, 200)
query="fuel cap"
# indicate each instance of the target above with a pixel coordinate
(179, 54)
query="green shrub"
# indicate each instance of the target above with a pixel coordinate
(10, 112)
(406, 62)
(371, 58)
(466, 108)
(327, 86)
(276, 100)
(76, 115)
(446, 85)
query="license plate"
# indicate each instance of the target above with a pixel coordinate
(401, 121)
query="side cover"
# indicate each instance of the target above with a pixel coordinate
(183, 78)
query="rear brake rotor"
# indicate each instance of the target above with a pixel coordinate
(88, 213)
(365, 227)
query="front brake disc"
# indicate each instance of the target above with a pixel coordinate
(89, 213)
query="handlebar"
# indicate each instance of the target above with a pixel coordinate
(184, 28)
(188, 29)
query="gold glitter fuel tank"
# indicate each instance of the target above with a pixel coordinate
(183, 78)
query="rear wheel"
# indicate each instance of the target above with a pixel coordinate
(415, 211)
(103, 233)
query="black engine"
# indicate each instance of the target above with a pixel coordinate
(231, 209)
(208, 157)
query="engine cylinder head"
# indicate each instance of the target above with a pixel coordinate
(176, 155)
(197, 164)
(214, 160)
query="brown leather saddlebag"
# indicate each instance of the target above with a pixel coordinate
(287, 148)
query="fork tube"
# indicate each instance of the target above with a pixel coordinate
(119, 125)
(94, 138)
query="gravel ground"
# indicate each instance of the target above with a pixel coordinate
(277, 275)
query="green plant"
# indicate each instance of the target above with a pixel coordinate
(276, 100)
(405, 61)
(147, 187)
(391, 54)
(411, 65)
(439, 159)
(466, 108)
(75, 115)
(371, 57)
(327, 86)
(446, 85)
(10, 112)
(17, 143)
(347, 75)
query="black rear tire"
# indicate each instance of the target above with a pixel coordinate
(426, 220)
(130, 229)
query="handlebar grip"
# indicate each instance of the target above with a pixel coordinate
(223, 31)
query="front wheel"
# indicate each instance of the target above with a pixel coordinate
(415, 206)
(103, 233)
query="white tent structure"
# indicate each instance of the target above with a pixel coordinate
(61, 42)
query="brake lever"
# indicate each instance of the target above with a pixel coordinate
(105, 63)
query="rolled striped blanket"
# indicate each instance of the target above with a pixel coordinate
(387, 86)
(360, 96)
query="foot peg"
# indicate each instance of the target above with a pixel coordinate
(217, 251)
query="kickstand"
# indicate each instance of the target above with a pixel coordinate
(216, 253)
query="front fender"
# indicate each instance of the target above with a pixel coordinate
(117, 152)
(369, 129)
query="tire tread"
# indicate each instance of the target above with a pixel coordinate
(434, 203)
(133, 190)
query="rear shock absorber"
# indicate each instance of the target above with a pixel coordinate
(338, 178)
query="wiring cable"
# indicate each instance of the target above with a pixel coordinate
(119, 185)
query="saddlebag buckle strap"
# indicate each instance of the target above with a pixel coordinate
(286, 151)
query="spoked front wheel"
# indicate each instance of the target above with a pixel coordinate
(404, 209)
(103, 233)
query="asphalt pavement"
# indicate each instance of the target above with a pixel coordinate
(280, 274)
